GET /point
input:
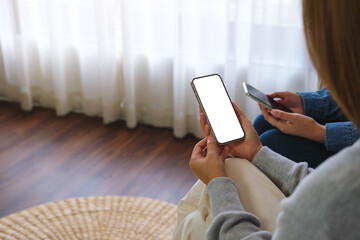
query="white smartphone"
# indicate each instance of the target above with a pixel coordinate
(261, 98)
(215, 102)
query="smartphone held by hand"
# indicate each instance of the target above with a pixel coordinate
(215, 102)
(264, 100)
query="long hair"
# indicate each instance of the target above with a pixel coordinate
(332, 34)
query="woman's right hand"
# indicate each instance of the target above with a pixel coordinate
(250, 145)
(246, 148)
(289, 99)
(295, 124)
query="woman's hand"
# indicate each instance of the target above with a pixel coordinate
(289, 99)
(205, 128)
(246, 148)
(207, 160)
(250, 145)
(295, 124)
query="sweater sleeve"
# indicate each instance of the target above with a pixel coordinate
(230, 220)
(284, 173)
(324, 205)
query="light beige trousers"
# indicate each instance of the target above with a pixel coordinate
(257, 193)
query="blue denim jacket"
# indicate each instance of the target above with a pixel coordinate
(339, 131)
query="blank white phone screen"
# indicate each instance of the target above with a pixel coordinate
(218, 108)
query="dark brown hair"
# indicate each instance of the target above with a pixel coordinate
(333, 39)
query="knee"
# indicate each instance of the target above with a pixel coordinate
(261, 125)
(271, 138)
(192, 227)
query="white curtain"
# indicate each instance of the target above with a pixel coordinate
(134, 59)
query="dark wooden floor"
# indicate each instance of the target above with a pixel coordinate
(46, 158)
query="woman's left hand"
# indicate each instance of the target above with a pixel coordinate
(207, 160)
(295, 124)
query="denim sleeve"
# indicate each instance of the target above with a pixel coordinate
(321, 106)
(340, 135)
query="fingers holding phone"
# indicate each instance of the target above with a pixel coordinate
(289, 99)
(295, 124)
(227, 122)
(205, 128)
(248, 147)
(208, 164)
(267, 115)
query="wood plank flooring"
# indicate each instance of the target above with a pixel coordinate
(45, 158)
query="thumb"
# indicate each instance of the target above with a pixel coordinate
(282, 115)
(280, 95)
(239, 113)
(211, 145)
(272, 95)
(224, 153)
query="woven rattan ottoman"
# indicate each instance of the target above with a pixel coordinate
(103, 217)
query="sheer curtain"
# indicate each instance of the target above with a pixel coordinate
(134, 59)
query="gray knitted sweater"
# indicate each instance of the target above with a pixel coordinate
(322, 204)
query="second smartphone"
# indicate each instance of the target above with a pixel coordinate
(264, 100)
